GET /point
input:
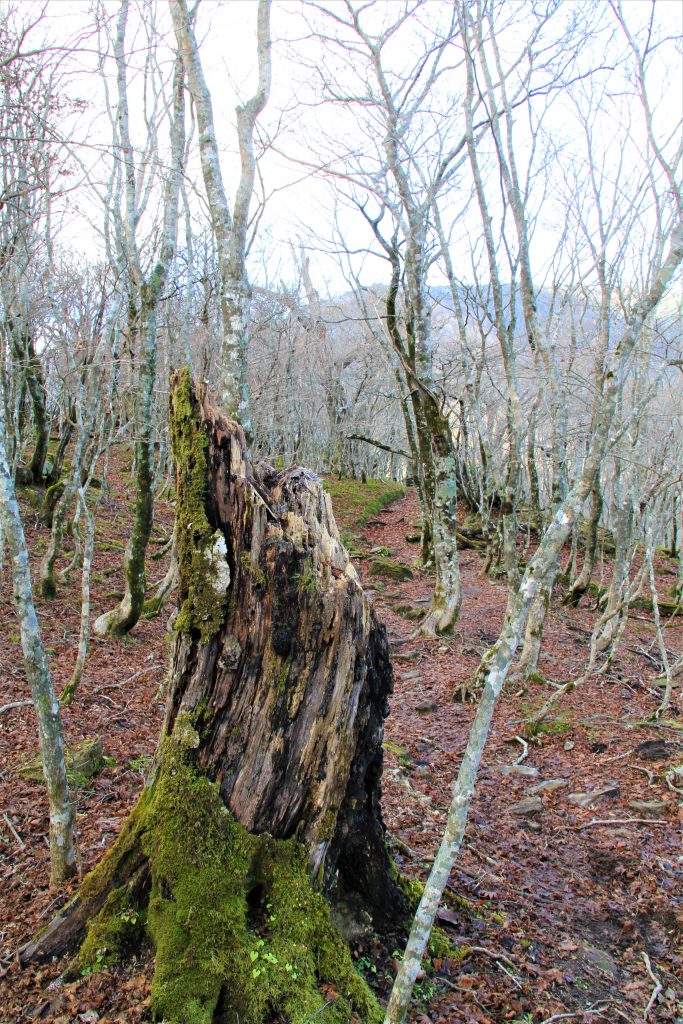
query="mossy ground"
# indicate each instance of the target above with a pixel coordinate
(390, 569)
(238, 930)
(84, 761)
(440, 946)
(360, 502)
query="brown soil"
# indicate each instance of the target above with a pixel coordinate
(560, 905)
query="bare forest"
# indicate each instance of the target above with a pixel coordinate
(341, 511)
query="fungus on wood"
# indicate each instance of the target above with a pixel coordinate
(259, 841)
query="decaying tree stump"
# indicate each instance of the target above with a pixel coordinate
(266, 789)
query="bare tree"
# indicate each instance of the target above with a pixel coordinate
(231, 229)
(62, 855)
(146, 285)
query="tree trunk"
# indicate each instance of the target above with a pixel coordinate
(580, 585)
(267, 779)
(62, 815)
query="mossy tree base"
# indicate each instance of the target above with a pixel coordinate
(264, 813)
(238, 929)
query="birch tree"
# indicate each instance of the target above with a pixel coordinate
(231, 228)
(496, 663)
(146, 285)
(30, 105)
(62, 817)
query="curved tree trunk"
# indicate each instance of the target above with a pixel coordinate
(267, 780)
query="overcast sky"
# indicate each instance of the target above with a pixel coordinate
(301, 207)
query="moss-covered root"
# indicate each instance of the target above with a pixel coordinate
(237, 927)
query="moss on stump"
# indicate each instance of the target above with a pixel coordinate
(204, 574)
(236, 924)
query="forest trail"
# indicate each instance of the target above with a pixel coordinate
(559, 903)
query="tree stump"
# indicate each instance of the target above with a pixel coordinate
(260, 834)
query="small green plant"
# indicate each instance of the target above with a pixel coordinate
(13, 637)
(424, 991)
(307, 579)
(366, 965)
(261, 957)
(255, 571)
(99, 964)
(141, 764)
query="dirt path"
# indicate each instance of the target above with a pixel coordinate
(561, 910)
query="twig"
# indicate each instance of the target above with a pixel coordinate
(646, 654)
(615, 821)
(646, 771)
(515, 981)
(494, 955)
(500, 960)
(576, 1013)
(15, 704)
(656, 990)
(525, 751)
(617, 757)
(14, 832)
(117, 686)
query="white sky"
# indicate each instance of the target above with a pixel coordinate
(300, 205)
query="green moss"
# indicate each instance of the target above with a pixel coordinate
(558, 726)
(666, 608)
(409, 612)
(440, 945)
(202, 604)
(412, 889)
(84, 761)
(327, 826)
(51, 500)
(110, 545)
(234, 919)
(282, 674)
(392, 570)
(112, 934)
(152, 606)
(248, 566)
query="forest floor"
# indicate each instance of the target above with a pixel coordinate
(567, 900)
